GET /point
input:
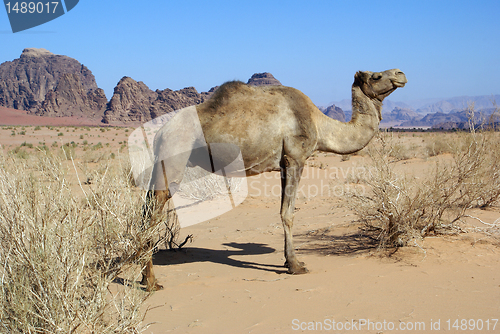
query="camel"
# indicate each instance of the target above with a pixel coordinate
(276, 128)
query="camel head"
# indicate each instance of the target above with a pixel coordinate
(378, 85)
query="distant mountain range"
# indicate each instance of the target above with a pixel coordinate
(46, 84)
(431, 112)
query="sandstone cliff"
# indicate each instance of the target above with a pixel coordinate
(71, 98)
(400, 114)
(25, 82)
(263, 79)
(335, 112)
(133, 101)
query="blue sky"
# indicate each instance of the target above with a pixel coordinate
(446, 48)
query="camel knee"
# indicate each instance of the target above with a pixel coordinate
(287, 219)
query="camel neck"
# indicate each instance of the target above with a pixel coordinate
(350, 137)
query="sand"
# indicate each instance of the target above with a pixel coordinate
(230, 279)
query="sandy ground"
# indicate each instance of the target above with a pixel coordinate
(230, 279)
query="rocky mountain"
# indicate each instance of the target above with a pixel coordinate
(130, 102)
(70, 98)
(263, 79)
(387, 107)
(168, 100)
(334, 112)
(400, 114)
(25, 83)
(437, 118)
(133, 101)
(46, 84)
(458, 103)
(455, 119)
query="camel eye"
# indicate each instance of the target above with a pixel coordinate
(377, 76)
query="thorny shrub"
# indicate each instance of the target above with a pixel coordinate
(402, 207)
(58, 257)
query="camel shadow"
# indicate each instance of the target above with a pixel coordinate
(220, 256)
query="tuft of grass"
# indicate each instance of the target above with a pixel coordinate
(403, 208)
(97, 146)
(43, 147)
(68, 152)
(19, 153)
(29, 145)
(60, 253)
(438, 146)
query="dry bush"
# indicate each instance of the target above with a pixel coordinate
(94, 156)
(489, 176)
(402, 152)
(58, 257)
(438, 145)
(402, 207)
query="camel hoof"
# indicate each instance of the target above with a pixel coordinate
(298, 271)
(155, 287)
(301, 264)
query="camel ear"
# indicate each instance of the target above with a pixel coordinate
(360, 77)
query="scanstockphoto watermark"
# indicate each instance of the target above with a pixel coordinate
(28, 14)
(486, 325)
(356, 325)
(316, 182)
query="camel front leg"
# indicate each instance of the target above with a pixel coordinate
(157, 200)
(290, 178)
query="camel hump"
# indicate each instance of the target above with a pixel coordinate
(226, 92)
(235, 92)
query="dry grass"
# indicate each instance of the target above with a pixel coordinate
(60, 252)
(403, 207)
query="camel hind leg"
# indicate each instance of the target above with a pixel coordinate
(290, 178)
(155, 201)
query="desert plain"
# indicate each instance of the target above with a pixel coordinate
(231, 279)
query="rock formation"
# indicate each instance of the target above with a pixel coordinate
(335, 112)
(130, 102)
(70, 98)
(263, 79)
(133, 101)
(401, 114)
(46, 84)
(25, 82)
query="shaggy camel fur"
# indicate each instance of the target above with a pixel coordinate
(276, 128)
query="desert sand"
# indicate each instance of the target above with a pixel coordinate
(231, 278)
